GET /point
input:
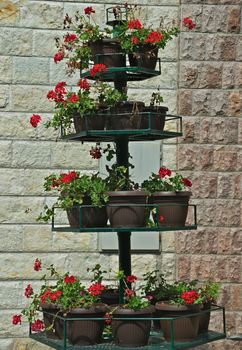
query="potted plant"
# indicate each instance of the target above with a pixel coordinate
(209, 293)
(132, 333)
(75, 193)
(69, 298)
(126, 204)
(86, 107)
(183, 308)
(87, 41)
(142, 42)
(170, 197)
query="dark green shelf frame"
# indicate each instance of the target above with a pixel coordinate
(156, 339)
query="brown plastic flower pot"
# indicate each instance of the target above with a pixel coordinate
(89, 122)
(172, 207)
(108, 52)
(145, 56)
(54, 325)
(128, 214)
(132, 333)
(154, 118)
(89, 217)
(86, 332)
(204, 318)
(184, 328)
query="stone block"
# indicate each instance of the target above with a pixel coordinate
(4, 97)
(182, 242)
(233, 20)
(99, 16)
(229, 186)
(193, 46)
(214, 19)
(16, 41)
(141, 265)
(185, 102)
(44, 42)
(234, 104)
(225, 158)
(58, 72)
(169, 156)
(30, 99)
(221, 47)
(31, 154)
(168, 266)
(191, 130)
(201, 102)
(9, 14)
(28, 344)
(219, 130)
(11, 238)
(8, 330)
(183, 267)
(195, 13)
(6, 344)
(11, 294)
(219, 103)
(203, 267)
(236, 238)
(5, 69)
(204, 184)
(239, 49)
(72, 241)
(168, 242)
(37, 238)
(192, 157)
(42, 15)
(5, 153)
(72, 155)
(31, 70)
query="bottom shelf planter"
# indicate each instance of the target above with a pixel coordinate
(156, 338)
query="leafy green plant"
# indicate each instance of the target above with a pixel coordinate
(210, 292)
(72, 188)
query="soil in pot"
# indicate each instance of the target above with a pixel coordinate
(108, 52)
(172, 207)
(154, 118)
(127, 214)
(110, 296)
(89, 217)
(125, 115)
(145, 57)
(52, 321)
(184, 328)
(86, 332)
(132, 333)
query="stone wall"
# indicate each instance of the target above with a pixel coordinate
(207, 86)
(210, 98)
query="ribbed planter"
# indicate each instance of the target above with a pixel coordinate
(172, 207)
(145, 56)
(204, 318)
(108, 52)
(132, 333)
(52, 321)
(184, 328)
(125, 115)
(122, 211)
(110, 296)
(89, 122)
(86, 332)
(154, 118)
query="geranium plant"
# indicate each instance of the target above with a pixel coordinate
(67, 292)
(166, 180)
(72, 188)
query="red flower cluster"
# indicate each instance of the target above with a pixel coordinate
(129, 292)
(134, 40)
(70, 37)
(67, 178)
(28, 291)
(189, 23)
(108, 315)
(131, 279)
(95, 152)
(59, 56)
(58, 93)
(16, 319)
(55, 183)
(83, 84)
(161, 218)
(98, 68)
(134, 24)
(163, 172)
(88, 10)
(190, 296)
(154, 37)
(96, 289)
(187, 182)
(37, 264)
(69, 279)
(34, 120)
(48, 295)
(37, 326)
(73, 98)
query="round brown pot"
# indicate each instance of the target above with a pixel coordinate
(88, 217)
(86, 332)
(127, 214)
(52, 321)
(94, 121)
(184, 328)
(132, 333)
(108, 52)
(154, 118)
(145, 56)
(204, 318)
(172, 207)
(110, 296)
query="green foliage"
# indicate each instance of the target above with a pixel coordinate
(118, 179)
(210, 292)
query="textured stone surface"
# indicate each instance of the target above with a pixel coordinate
(31, 70)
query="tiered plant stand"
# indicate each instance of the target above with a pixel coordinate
(120, 76)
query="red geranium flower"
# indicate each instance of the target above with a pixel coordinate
(98, 68)
(67, 178)
(37, 326)
(60, 88)
(59, 56)
(131, 279)
(164, 171)
(134, 24)
(37, 264)
(35, 120)
(95, 152)
(129, 292)
(69, 279)
(161, 218)
(70, 37)
(96, 289)
(189, 23)
(83, 84)
(73, 98)
(186, 182)
(108, 315)
(16, 319)
(28, 291)
(88, 10)
(55, 295)
(189, 297)
(154, 37)
(134, 40)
